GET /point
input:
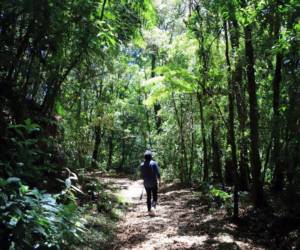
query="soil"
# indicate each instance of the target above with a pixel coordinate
(182, 221)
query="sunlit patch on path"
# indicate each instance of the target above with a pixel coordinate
(178, 224)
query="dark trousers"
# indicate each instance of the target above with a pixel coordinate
(151, 192)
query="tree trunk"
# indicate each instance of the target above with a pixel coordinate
(205, 153)
(231, 132)
(238, 87)
(204, 59)
(278, 179)
(182, 157)
(192, 152)
(257, 189)
(242, 119)
(157, 106)
(121, 164)
(102, 10)
(110, 151)
(183, 144)
(148, 137)
(54, 86)
(292, 142)
(96, 147)
(217, 167)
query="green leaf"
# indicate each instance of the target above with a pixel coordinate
(59, 109)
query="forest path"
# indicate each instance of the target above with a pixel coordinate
(181, 222)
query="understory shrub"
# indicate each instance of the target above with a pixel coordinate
(29, 153)
(221, 198)
(32, 219)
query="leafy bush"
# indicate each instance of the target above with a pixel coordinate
(30, 155)
(222, 198)
(220, 194)
(31, 219)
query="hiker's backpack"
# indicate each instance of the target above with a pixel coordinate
(147, 170)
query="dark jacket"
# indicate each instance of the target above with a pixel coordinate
(150, 173)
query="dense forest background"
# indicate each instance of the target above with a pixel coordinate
(212, 87)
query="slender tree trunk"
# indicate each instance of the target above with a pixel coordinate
(55, 84)
(278, 179)
(51, 94)
(278, 171)
(182, 157)
(96, 147)
(121, 164)
(12, 72)
(183, 143)
(292, 141)
(205, 153)
(254, 134)
(192, 152)
(110, 150)
(217, 167)
(240, 99)
(204, 54)
(97, 129)
(231, 118)
(157, 106)
(238, 89)
(149, 137)
(102, 10)
(243, 163)
(78, 128)
(292, 130)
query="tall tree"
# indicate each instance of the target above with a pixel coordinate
(278, 170)
(253, 117)
(231, 118)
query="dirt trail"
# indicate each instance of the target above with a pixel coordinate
(181, 222)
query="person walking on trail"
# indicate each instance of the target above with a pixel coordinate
(151, 176)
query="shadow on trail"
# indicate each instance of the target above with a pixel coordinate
(184, 221)
(254, 231)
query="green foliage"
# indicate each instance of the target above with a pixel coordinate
(222, 199)
(30, 154)
(175, 76)
(34, 219)
(101, 81)
(218, 193)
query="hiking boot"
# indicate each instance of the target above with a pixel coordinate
(151, 213)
